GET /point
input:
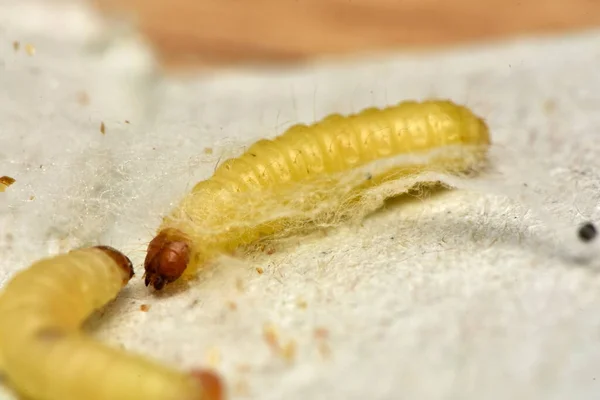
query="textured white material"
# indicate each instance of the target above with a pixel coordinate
(457, 297)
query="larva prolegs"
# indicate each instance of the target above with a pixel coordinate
(318, 170)
(45, 355)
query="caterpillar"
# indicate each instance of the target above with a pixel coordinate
(323, 173)
(45, 356)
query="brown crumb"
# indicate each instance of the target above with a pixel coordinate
(301, 303)
(5, 182)
(102, 128)
(208, 150)
(145, 307)
(127, 121)
(271, 335)
(83, 98)
(260, 270)
(232, 305)
(31, 198)
(16, 45)
(30, 49)
(266, 248)
(321, 333)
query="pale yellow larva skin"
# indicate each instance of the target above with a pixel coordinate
(327, 148)
(45, 356)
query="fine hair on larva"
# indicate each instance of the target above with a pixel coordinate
(337, 170)
(45, 355)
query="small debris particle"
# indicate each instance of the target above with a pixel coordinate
(587, 232)
(271, 335)
(145, 307)
(30, 49)
(127, 121)
(232, 305)
(288, 351)
(301, 303)
(270, 250)
(208, 150)
(5, 182)
(102, 128)
(213, 357)
(16, 45)
(260, 270)
(83, 98)
(321, 333)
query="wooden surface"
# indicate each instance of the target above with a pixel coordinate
(216, 32)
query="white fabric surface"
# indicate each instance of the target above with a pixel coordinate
(456, 297)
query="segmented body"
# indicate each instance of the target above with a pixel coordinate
(45, 356)
(317, 155)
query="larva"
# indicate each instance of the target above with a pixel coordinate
(322, 170)
(44, 354)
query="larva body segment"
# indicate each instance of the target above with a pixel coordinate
(308, 167)
(44, 354)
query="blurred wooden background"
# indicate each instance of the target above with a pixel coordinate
(216, 32)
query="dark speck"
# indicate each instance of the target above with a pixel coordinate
(587, 232)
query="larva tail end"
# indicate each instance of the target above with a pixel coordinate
(122, 260)
(212, 385)
(166, 259)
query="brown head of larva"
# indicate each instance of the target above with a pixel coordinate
(211, 384)
(166, 259)
(121, 259)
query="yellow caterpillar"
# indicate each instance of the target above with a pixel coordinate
(320, 173)
(43, 354)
